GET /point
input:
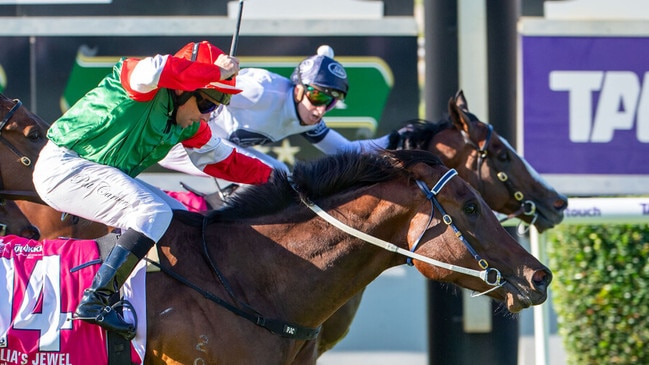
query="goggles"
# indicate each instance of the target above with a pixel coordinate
(318, 97)
(205, 105)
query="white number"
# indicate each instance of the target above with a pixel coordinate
(6, 291)
(44, 283)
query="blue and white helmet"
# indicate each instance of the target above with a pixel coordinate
(323, 72)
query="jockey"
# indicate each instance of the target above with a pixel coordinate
(272, 107)
(127, 123)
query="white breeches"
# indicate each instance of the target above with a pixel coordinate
(71, 184)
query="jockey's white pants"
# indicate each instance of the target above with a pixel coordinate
(74, 185)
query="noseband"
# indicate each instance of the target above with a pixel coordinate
(24, 160)
(527, 206)
(430, 194)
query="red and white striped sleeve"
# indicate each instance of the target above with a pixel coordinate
(217, 157)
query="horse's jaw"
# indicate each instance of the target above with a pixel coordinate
(516, 293)
(527, 290)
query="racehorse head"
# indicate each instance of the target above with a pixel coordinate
(22, 136)
(489, 163)
(13, 222)
(409, 198)
(472, 235)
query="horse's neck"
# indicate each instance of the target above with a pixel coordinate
(303, 270)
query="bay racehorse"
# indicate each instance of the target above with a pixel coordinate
(233, 287)
(257, 253)
(488, 162)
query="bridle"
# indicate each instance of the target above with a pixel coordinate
(24, 160)
(527, 207)
(431, 196)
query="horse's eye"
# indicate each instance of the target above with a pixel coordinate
(503, 156)
(36, 136)
(471, 209)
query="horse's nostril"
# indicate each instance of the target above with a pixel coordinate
(561, 204)
(541, 277)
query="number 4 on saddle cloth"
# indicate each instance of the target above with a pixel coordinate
(43, 283)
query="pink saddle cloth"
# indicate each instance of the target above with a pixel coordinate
(41, 284)
(193, 202)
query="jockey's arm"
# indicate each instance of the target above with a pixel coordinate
(220, 158)
(334, 142)
(140, 77)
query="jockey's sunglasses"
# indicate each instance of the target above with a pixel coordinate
(205, 105)
(318, 97)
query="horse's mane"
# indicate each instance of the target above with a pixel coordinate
(321, 178)
(422, 131)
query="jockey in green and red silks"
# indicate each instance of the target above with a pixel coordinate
(129, 122)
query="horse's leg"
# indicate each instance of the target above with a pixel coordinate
(336, 327)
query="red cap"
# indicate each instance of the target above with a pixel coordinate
(205, 52)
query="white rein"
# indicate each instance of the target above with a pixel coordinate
(483, 275)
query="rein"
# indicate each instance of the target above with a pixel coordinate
(275, 326)
(24, 160)
(430, 194)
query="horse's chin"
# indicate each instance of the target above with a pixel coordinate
(542, 222)
(517, 300)
(514, 305)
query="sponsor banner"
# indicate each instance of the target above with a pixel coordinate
(607, 211)
(586, 104)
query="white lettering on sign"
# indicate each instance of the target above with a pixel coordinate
(621, 101)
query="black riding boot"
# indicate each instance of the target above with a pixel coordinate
(122, 259)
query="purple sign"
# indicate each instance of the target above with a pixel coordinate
(586, 104)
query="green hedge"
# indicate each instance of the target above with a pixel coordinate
(601, 292)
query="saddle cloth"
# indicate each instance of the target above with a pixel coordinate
(43, 283)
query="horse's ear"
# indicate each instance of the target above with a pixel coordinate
(458, 117)
(460, 101)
